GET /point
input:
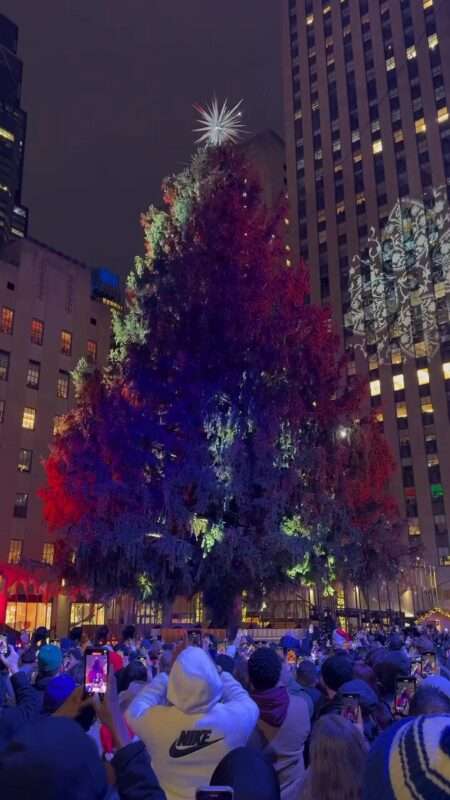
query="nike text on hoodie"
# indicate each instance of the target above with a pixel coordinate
(190, 721)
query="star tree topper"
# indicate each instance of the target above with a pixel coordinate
(219, 125)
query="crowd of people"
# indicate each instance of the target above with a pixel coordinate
(322, 716)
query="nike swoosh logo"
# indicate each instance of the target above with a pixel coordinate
(176, 752)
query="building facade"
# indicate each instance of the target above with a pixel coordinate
(367, 109)
(13, 215)
(53, 311)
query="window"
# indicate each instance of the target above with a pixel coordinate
(375, 388)
(413, 529)
(15, 551)
(62, 388)
(377, 146)
(427, 4)
(48, 553)
(21, 505)
(2, 411)
(7, 320)
(29, 418)
(423, 376)
(4, 365)
(25, 459)
(433, 41)
(411, 52)
(37, 331)
(446, 370)
(401, 410)
(399, 382)
(33, 374)
(91, 351)
(66, 343)
(57, 424)
(421, 125)
(443, 115)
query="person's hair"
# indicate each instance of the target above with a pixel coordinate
(396, 641)
(264, 669)
(335, 671)
(75, 634)
(429, 700)
(101, 635)
(240, 671)
(307, 674)
(128, 632)
(338, 753)
(365, 673)
(134, 671)
(387, 671)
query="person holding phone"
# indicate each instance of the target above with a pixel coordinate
(209, 715)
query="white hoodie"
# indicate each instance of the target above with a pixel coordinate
(207, 716)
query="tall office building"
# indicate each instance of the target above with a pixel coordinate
(13, 215)
(367, 98)
(53, 311)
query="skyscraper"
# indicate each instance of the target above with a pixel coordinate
(13, 215)
(367, 99)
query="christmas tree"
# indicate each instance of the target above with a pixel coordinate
(209, 455)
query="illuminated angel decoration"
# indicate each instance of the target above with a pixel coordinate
(219, 125)
(400, 287)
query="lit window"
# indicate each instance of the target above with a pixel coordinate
(411, 52)
(390, 63)
(421, 125)
(92, 346)
(15, 551)
(399, 382)
(33, 374)
(427, 407)
(420, 349)
(37, 331)
(423, 376)
(288, 262)
(7, 321)
(21, 505)
(4, 365)
(401, 410)
(310, 19)
(66, 342)
(398, 136)
(62, 387)
(25, 460)
(326, 9)
(442, 115)
(356, 136)
(413, 529)
(7, 135)
(396, 356)
(29, 418)
(57, 424)
(357, 157)
(2, 411)
(360, 198)
(446, 370)
(427, 4)
(433, 41)
(377, 146)
(375, 388)
(379, 416)
(48, 553)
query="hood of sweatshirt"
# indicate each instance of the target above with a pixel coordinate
(194, 683)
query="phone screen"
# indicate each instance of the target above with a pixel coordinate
(429, 664)
(416, 667)
(3, 645)
(96, 671)
(350, 706)
(214, 793)
(404, 691)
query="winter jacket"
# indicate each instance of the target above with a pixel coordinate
(134, 775)
(283, 746)
(209, 715)
(28, 706)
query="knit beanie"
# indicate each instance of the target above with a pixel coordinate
(49, 658)
(57, 691)
(410, 761)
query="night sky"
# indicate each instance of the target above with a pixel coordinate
(109, 87)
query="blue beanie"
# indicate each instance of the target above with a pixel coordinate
(410, 761)
(57, 691)
(49, 658)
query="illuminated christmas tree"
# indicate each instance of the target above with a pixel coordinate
(210, 454)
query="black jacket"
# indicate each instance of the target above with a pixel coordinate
(135, 777)
(28, 706)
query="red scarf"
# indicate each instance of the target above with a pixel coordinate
(273, 705)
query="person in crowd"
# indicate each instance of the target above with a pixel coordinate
(128, 644)
(397, 653)
(410, 761)
(28, 701)
(284, 721)
(49, 662)
(335, 671)
(429, 700)
(225, 663)
(54, 759)
(308, 678)
(101, 636)
(209, 715)
(338, 753)
(249, 775)
(369, 704)
(73, 664)
(57, 690)
(387, 669)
